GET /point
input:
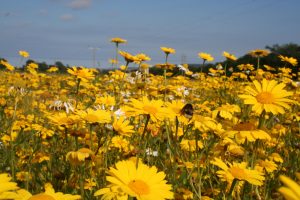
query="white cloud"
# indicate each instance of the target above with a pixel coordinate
(80, 4)
(66, 17)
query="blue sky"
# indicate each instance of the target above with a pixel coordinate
(63, 30)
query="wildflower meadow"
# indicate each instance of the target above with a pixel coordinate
(131, 134)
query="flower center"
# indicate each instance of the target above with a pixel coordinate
(150, 109)
(265, 98)
(139, 187)
(41, 197)
(244, 126)
(238, 173)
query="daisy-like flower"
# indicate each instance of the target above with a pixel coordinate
(82, 73)
(229, 56)
(238, 171)
(80, 156)
(142, 182)
(244, 67)
(128, 57)
(291, 60)
(205, 56)
(168, 50)
(6, 184)
(153, 108)
(226, 111)
(291, 190)
(267, 96)
(7, 65)
(247, 131)
(95, 116)
(122, 126)
(259, 53)
(52, 69)
(24, 54)
(118, 40)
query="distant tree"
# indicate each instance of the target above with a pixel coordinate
(61, 67)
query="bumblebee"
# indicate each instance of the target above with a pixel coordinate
(187, 111)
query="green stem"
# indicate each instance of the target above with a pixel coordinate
(234, 182)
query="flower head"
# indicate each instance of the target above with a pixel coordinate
(168, 50)
(142, 182)
(118, 40)
(259, 53)
(205, 56)
(291, 190)
(24, 54)
(229, 56)
(267, 96)
(291, 60)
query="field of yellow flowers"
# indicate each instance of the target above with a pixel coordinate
(87, 135)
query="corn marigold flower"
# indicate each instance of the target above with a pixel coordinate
(95, 116)
(153, 108)
(290, 190)
(247, 131)
(267, 96)
(205, 56)
(238, 171)
(291, 60)
(122, 127)
(258, 53)
(6, 184)
(267, 165)
(118, 40)
(82, 73)
(226, 111)
(8, 66)
(244, 67)
(142, 182)
(168, 50)
(24, 54)
(128, 57)
(229, 56)
(80, 156)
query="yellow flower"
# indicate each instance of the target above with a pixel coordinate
(142, 57)
(259, 53)
(52, 69)
(291, 60)
(268, 165)
(80, 156)
(168, 50)
(238, 171)
(24, 54)
(153, 108)
(106, 100)
(229, 56)
(82, 73)
(7, 65)
(190, 145)
(247, 131)
(244, 67)
(96, 116)
(205, 56)
(118, 40)
(142, 182)
(267, 96)
(226, 111)
(6, 184)
(128, 57)
(50, 194)
(122, 126)
(291, 190)
(112, 192)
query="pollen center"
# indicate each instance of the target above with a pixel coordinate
(150, 109)
(265, 98)
(139, 187)
(238, 173)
